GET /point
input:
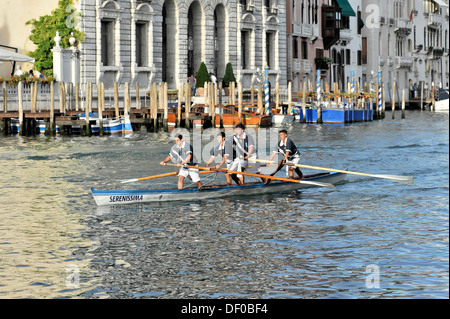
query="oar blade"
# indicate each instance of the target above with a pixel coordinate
(130, 180)
(320, 184)
(396, 178)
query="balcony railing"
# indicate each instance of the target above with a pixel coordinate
(306, 30)
(306, 66)
(345, 35)
(404, 62)
(403, 27)
(437, 52)
(297, 66)
(303, 30)
(434, 20)
(297, 29)
(390, 61)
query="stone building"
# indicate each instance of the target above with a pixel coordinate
(319, 28)
(408, 41)
(166, 40)
(349, 54)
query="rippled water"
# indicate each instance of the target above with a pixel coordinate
(370, 238)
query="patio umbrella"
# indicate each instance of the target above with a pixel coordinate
(6, 55)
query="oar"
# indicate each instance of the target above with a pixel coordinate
(157, 176)
(223, 170)
(148, 177)
(395, 178)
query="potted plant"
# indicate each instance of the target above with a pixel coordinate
(228, 78)
(48, 79)
(14, 80)
(201, 78)
(322, 62)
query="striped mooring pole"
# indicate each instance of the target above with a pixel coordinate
(266, 89)
(352, 81)
(319, 89)
(380, 101)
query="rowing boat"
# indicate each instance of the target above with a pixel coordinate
(114, 197)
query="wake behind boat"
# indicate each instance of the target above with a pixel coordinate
(114, 197)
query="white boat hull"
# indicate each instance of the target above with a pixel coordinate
(441, 106)
(115, 197)
(282, 119)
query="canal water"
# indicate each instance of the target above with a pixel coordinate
(369, 238)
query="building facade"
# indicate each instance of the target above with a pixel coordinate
(349, 54)
(408, 41)
(320, 29)
(166, 40)
(304, 40)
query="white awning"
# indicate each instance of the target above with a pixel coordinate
(441, 3)
(6, 55)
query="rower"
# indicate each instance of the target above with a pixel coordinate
(181, 154)
(291, 155)
(219, 150)
(240, 147)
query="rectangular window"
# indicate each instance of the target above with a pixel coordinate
(348, 57)
(364, 50)
(141, 44)
(107, 42)
(245, 49)
(358, 21)
(295, 48)
(319, 52)
(270, 52)
(304, 50)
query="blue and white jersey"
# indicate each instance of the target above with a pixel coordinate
(178, 154)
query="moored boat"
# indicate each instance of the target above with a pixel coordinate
(282, 119)
(120, 126)
(40, 126)
(114, 197)
(249, 120)
(441, 105)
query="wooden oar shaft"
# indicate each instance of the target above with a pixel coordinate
(404, 179)
(223, 170)
(157, 176)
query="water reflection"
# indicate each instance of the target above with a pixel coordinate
(56, 243)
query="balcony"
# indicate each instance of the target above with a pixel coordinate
(402, 27)
(402, 62)
(434, 20)
(306, 66)
(390, 61)
(297, 67)
(315, 31)
(345, 36)
(438, 52)
(297, 29)
(302, 30)
(331, 24)
(307, 31)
